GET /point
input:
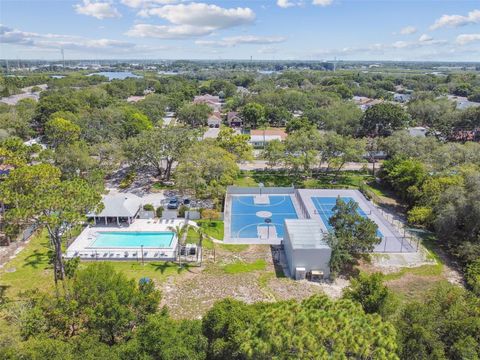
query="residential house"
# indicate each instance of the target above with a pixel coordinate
(417, 131)
(234, 120)
(364, 102)
(212, 101)
(259, 137)
(402, 98)
(214, 120)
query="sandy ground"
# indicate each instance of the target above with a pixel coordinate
(193, 293)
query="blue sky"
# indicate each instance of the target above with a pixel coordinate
(238, 29)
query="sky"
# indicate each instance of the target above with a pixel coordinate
(398, 30)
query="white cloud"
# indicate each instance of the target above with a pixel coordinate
(285, 3)
(194, 19)
(400, 44)
(322, 2)
(167, 31)
(69, 42)
(407, 30)
(243, 39)
(473, 17)
(463, 39)
(200, 14)
(147, 3)
(425, 38)
(99, 10)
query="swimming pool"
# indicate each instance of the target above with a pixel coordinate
(325, 205)
(246, 215)
(133, 239)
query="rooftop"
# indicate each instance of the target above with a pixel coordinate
(305, 234)
(269, 132)
(121, 205)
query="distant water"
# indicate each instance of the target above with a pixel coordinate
(268, 72)
(169, 72)
(116, 75)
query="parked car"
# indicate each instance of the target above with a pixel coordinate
(172, 204)
(186, 201)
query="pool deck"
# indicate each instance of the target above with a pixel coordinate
(81, 245)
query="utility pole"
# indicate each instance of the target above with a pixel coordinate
(63, 57)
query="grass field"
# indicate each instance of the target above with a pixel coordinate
(351, 179)
(242, 267)
(31, 268)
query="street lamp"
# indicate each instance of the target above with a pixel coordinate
(260, 185)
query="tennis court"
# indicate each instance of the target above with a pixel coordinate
(247, 216)
(324, 208)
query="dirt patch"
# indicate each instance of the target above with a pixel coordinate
(413, 287)
(193, 293)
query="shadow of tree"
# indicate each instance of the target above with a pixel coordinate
(38, 258)
(3, 292)
(163, 266)
(276, 251)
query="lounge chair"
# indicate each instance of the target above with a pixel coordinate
(112, 254)
(125, 254)
(75, 253)
(155, 255)
(105, 254)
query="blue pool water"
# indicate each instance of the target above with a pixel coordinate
(244, 218)
(325, 205)
(123, 239)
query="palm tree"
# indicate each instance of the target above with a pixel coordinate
(181, 232)
(201, 235)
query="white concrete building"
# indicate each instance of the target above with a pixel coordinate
(307, 253)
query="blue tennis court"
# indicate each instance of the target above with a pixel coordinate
(246, 215)
(325, 205)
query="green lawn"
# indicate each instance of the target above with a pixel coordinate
(31, 268)
(212, 228)
(350, 179)
(242, 267)
(234, 248)
(192, 238)
(245, 181)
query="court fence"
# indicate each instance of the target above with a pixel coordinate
(237, 190)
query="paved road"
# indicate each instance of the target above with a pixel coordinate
(211, 133)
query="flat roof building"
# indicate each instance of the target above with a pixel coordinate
(307, 253)
(117, 208)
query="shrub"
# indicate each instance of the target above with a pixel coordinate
(181, 210)
(420, 215)
(148, 207)
(128, 180)
(159, 211)
(472, 276)
(210, 214)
